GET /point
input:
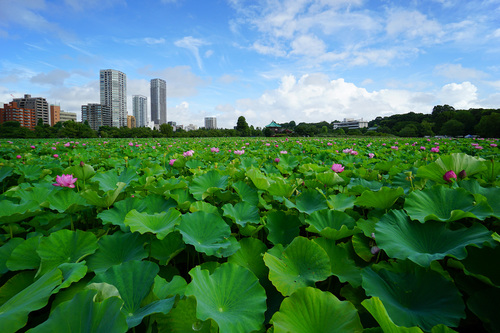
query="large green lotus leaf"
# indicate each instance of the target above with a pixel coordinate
(24, 256)
(416, 296)
(287, 162)
(260, 181)
(195, 164)
(30, 172)
(403, 238)
(455, 162)
(183, 198)
(341, 265)
(376, 308)
(332, 224)
(115, 249)
(166, 249)
(490, 193)
(5, 172)
(163, 289)
(65, 246)
(160, 224)
(206, 232)
(282, 228)
(6, 251)
(281, 187)
(250, 256)
(246, 192)
(107, 180)
(204, 185)
(72, 272)
(37, 194)
(203, 206)
(82, 314)
(15, 285)
(231, 296)
(444, 204)
(485, 305)
(310, 201)
(134, 279)
(329, 178)
(301, 264)
(484, 262)
(14, 312)
(310, 310)
(93, 198)
(66, 200)
(82, 172)
(116, 215)
(182, 319)
(242, 213)
(11, 212)
(383, 198)
(341, 201)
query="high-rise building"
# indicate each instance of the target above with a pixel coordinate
(25, 117)
(66, 116)
(39, 104)
(140, 110)
(113, 87)
(55, 114)
(210, 122)
(131, 122)
(158, 101)
(97, 115)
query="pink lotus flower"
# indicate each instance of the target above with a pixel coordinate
(493, 145)
(214, 150)
(449, 175)
(32, 147)
(338, 168)
(56, 156)
(347, 150)
(67, 144)
(239, 152)
(188, 153)
(283, 152)
(19, 157)
(395, 147)
(371, 155)
(434, 150)
(277, 160)
(65, 181)
(353, 152)
(130, 143)
(422, 148)
(329, 144)
(172, 161)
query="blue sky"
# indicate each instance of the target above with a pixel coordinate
(301, 60)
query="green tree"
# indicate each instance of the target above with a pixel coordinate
(167, 130)
(489, 126)
(409, 130)
(453, 127)
(242, 126)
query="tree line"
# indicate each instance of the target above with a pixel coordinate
(444, 120)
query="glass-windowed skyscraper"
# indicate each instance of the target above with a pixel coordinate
(140, 110)
(159, 101)
(113, 87)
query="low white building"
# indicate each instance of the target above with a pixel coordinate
(350, 123)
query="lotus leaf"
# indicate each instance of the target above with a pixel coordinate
(66, 200)
(82, 314)
(332, 224)
(445, 204)
(167, 248)
(6, 251)
(250, 256)
(115, 249)
(206, 232)
(310, 310)
(415, 296)
(231, 296)
(14, 312)
(134, 279)
(455, 162)
(376, 308)
(341, 201)
(242, 213)
(282, 228)
(310, 201)
(246, 192)
(160, 224)
(107, 180)
(65, 246)
(383, 199)
(204, 185)
(183, 318)
(24, 256)
(301, 264)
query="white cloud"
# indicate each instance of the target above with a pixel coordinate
(459, 95)
(308, 45)
(55, 77)
(412, 25)
(192, 44)
(457, 72)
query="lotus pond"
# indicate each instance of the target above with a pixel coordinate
(250, 235)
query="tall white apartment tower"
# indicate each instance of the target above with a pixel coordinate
(113, 86)
(210, 123)
(159, 101)
(140, 110)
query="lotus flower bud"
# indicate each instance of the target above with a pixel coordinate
(82, 164)
(449, 175)
(462, 174)
(375, 249)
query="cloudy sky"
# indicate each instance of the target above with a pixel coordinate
(282, 60)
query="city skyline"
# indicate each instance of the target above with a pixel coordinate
(113, 93)
(301, 60)
(158, 96)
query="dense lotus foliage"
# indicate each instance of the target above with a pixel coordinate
(250, 235)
